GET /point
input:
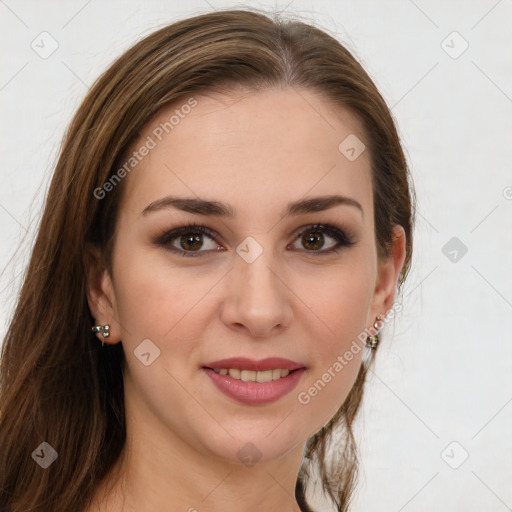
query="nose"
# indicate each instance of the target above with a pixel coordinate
(257, 297)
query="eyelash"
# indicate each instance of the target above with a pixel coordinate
(342, 238)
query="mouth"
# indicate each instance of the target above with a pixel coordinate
(252, 376)
(254, 382)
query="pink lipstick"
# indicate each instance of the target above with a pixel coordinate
(252, 381)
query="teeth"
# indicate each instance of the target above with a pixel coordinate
(234, 373)
(248, 375)
(252, 376)
(265, 376)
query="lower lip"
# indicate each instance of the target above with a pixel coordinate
(254, 393)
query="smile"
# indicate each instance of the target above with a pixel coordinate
(254, 382)
(252, 376)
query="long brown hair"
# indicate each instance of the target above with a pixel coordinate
(58, 384)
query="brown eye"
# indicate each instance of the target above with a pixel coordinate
(313, 239)
(191, 242)
(188, 240)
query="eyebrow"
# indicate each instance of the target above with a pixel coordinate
(215, 208)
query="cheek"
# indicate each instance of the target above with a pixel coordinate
(161, 303)
(150, 298)
(337, 360)
(168, 304)
(342, 307)
(340, 297)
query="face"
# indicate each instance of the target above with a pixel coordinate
(263, 275)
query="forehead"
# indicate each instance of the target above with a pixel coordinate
(249, 149)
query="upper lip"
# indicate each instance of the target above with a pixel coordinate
(244, 363)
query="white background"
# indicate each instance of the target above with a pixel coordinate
(444, 371)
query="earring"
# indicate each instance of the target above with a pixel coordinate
(373, 340)
(104, 330)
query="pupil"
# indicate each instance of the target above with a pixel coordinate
(310, 239)
(192, 240)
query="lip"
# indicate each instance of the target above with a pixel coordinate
(254, 393)
(244, 363)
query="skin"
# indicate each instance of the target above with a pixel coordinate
(255, 151)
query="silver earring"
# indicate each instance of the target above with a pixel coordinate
(104, 330)
(373, 340)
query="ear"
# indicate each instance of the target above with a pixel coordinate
(100, 295)
(387, 277)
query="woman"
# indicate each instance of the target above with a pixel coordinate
(224, 235)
